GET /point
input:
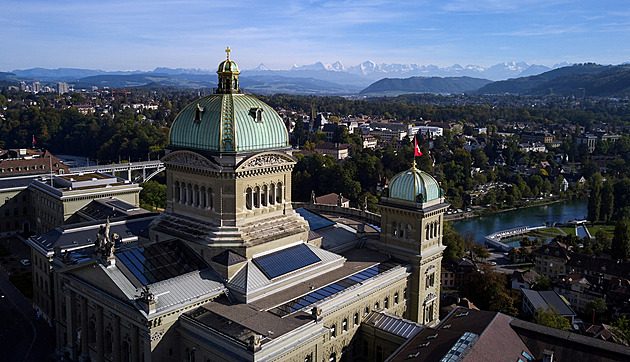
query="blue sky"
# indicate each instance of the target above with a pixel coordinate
(130, 35)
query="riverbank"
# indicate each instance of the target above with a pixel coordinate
(481, 211)
(551, 212)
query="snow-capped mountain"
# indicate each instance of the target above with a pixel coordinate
(372, 70)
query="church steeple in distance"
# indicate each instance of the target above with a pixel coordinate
(228, 76)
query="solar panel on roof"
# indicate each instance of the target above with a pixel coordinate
(315, 222)
(328, 290)
(161, 261)
(286, 261)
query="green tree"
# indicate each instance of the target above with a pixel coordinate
(607, 203)
(621, 240)
(549, 317)
(480, 251)
(603, 241)
(542, 282)
(454, 242)
(153, 195)
(596, 305)
(595, 198)
(621, 328)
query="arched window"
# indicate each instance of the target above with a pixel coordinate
(257, 197)
(176, 192)
(108, 341)
(264, 196)
(248, 198)
(272, 194)
(394, 228)
(396, 298)
(333, 330)
(210, 198)
(279, 193)
(367, 310)
(377, 306)
(202, 197)
(189, 191)
(125, 352)
(333, 358)
(426, 232)
(356, 319)
(344, 324)
(386, 303)
(408, 231)
(92, 332)
(195, 196)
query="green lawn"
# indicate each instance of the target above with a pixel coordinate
(570, 230)
(593, 229)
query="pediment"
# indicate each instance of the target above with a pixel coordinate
(266, 159)
(188, 158)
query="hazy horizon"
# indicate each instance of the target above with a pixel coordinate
(143, 35)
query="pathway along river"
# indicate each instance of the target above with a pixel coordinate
(558, 212)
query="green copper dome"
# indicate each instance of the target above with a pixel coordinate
(414, 185)
(228, 66)
(229, 121)
(232, 123)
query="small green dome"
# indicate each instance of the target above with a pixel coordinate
(414, 185)
(228, 66)
(231, 123)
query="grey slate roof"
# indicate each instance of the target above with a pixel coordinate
(547, 298)
(84, 234)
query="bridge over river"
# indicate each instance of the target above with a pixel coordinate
(148, 168)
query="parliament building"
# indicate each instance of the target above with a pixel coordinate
(230, 271)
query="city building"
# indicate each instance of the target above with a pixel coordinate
(339, 151)
(62, 88)
(536, 301)
(24, 161)
(471, 335)
(230, 271)
(551, 259)
(56, 200)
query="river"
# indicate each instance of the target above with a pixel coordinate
(558, 212)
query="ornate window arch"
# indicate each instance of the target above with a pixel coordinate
(257, 197)
(265, 195)
(248, 198)
(176, 192)
(272, 194)
(202, 197)
(394, 228)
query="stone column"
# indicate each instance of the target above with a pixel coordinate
(84, 329)
(99, 334)
(116, 347)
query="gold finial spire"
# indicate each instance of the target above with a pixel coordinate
(413, 165)
(228, 50)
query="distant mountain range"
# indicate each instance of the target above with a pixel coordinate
(581, 79)
(448, 85)
(367, 78)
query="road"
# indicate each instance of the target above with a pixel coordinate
(23, 337)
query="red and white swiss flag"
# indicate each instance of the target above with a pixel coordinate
(417, 150)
